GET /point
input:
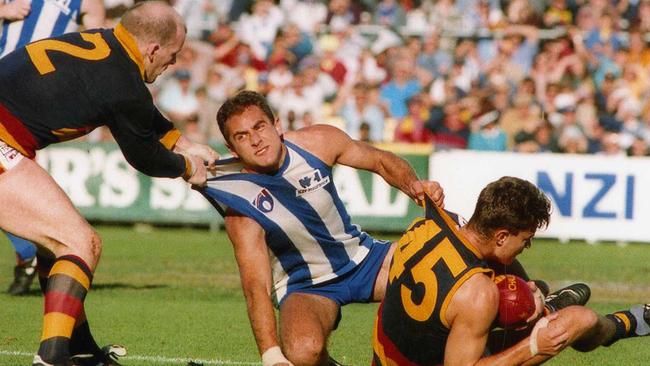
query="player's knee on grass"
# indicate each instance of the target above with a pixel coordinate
(305, 350)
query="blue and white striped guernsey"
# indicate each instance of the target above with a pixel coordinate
(308, 231)
(47, 18)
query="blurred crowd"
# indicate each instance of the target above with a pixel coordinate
(521, 75)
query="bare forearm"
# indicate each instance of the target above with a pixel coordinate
(397, 172)
(182, 144)
(262, 319)
(515, 355)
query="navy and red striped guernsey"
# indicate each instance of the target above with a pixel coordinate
(431, 261)
(61, 88)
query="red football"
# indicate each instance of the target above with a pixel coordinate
(516, 301)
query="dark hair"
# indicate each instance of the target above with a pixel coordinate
(237, 104)
(510, 203)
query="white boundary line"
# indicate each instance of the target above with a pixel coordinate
(155, 359)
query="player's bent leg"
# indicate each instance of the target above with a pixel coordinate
(43, 214)
(306, 321)
(581, 323)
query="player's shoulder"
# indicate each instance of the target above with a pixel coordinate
(480, 287)
(475, 304)
(317, 131)
(323, 141)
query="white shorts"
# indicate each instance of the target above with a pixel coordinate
(9, 157)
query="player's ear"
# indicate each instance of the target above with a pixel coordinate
(278, 125)
(232, 151)
(500, 236)
(151, 51)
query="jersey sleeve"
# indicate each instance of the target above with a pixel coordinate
(166, 132)
(138, 128)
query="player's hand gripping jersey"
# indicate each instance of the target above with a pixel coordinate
(64, 87)
(430, 263)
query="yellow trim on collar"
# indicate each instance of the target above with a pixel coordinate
(130, 45)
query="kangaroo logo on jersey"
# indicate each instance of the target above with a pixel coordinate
(264, 201)
(311, 182)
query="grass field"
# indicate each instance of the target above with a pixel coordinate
(171, 295)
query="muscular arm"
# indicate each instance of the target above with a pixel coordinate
(248, 241)
(335, 146)
(93, 14)
(470, 315)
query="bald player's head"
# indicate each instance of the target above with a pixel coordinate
(159, 32)
(153, 21)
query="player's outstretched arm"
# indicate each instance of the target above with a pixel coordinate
(470, 315)
(335, 147)
(251, 253)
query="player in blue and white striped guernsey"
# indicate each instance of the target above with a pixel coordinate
(25, 21)
(28, 21)
(292, 236)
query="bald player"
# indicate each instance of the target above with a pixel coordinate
(61, 88)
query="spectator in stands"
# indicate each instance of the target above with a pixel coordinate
(402, 87)
(432, 58)
(178, 100)
(642, 21)
(342, 14)
(364, 133)
(638, 52)
(639, 147)
(280, 75)
(557, 14)
(488, 136)
(572, 141)
(300, 43)
(603, 37)
(611, 145)
(542, 139)
(329, 62)
(522, 12)
(412, 127)
(486, 17)
(389, 13)
(259, 28)
(359, 104)
(444, 14)
(201, 17)
(522, 115)
(449, 129)
(308, 15)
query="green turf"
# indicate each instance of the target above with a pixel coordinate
(174, 293)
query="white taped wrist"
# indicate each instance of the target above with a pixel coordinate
(542, 323)
(273, 356)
